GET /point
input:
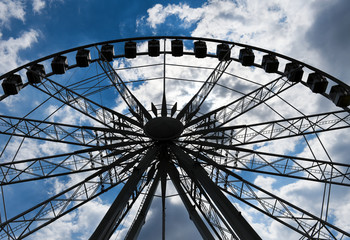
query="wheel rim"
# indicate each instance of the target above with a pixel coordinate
(205, 137)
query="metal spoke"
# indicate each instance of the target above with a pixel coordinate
(279, 209)
(106, 227)
(193, 106)
(55, 207)
(232, 216)
(48, 131)
(84, 105)
(59, 165)
(280, 165)
(286, 128)
(227, 113)
(135, 107)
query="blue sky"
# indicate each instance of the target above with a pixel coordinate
(315, 31)
(61, 25)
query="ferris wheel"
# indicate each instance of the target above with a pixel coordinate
(201, 119)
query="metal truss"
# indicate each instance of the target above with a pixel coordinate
(193, 106)
(58, 165)
(278, 164)
(262, 132)
(47, 131)
(135, 107)
(236, 108)
(133, 153)
(63, 203)
(303, 222)
(84, 105)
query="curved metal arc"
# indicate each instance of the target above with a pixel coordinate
(176, 37)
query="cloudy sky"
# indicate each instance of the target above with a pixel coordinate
(315, 32)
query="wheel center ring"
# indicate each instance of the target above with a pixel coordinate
(163, 128)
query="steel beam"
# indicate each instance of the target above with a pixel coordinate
(135, 107)
(233, 217)
(20, 171)
(84, 105)
(193, 106)
(281, 165)
(135, 228)
(47, 131)
(194, 216)
(105, 229)
(240, 106)
(277, 208)
(273, 130)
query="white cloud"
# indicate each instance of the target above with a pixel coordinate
(10, 48)
(38, 5)
(159, 13)
(11, 9)
(287, 27)
(276, 25)
(76, 225)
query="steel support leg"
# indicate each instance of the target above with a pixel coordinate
(233, 217)
(197, 220)
(105, 229)
(140, 220)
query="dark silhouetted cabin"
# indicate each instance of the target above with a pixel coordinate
(59, 64)
(270, 63)
(83, 57)
(317, 83)
(130, 49)
(177, 48)
(200, 49)
(153, 48)
(35, 73)
(223, 52)
(107, 52)
(246, 57)
(293, 72)
(340, 96)
(12, 85)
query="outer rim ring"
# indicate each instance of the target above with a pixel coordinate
(186, 53)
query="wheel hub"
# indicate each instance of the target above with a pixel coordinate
(163, 128)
